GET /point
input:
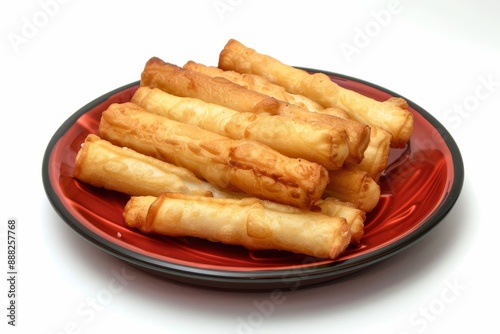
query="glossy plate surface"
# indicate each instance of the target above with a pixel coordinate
(420, 186)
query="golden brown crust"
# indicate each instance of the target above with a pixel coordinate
(355, 217)
(377, 151)
(260, 133)
(247, 222)
(294, 138)
(121, 169)
(355, 186)
(241, 165)
(376, 154)
(357, 133)
(136, 211)
(187, 83)
(181, 82)
(256, 83)
(387, 115)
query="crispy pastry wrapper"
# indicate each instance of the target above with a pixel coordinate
(218, 90)
(376, 153)
(256, 83)
(350, 184)
(234, 165)
(387, 115)
(102, 164)
(250, 222)
(294, 138)
(357, 133)
(354, 217)
(181, 82)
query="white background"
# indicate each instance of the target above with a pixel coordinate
(58, 55)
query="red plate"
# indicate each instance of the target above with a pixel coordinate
(419, 187)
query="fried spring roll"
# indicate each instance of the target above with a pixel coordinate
(356, 131)
(355, 186)
(235, 165)
(186, 83)
(121, 169)
(247, 222)
(181, 82)
(262, 85)
(315, 142)
(135, 212)
(256, 83)
(354, 217)
(377, 153)
(102, 164)
(387, 115)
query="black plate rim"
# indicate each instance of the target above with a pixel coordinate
(259, 279)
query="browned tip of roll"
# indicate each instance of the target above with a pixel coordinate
(155, 60)
(342, 240)
(225, 50)
(140, 94)
(402, 138)
(398, 101)
(80, 156)
(136, 211)
(358, 140)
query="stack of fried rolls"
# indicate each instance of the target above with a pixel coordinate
(249, 152)
(390, 115)
(237, 165)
